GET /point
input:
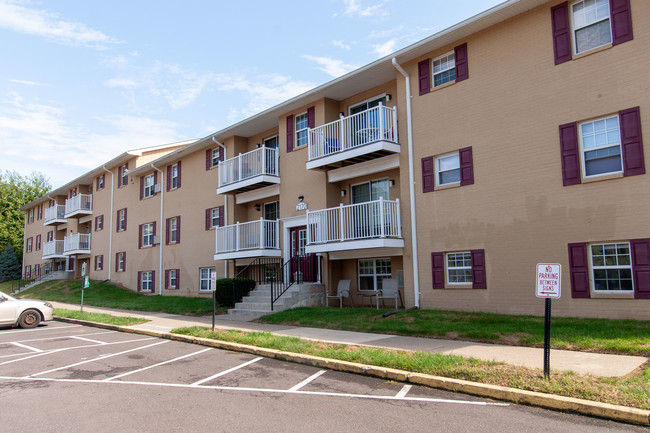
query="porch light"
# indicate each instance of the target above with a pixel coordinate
(342, 193)
(257, 207)
(301, 197)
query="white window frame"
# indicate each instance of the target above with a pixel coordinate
(100, 181)
(100, 223)
(30, 244)
(273, 137)
(120, 261)
(146, 280)
(575, 28)
(147, 235)
(124, 181)
(214, 216)
(121, 223)
(370, 184)
(299, 132)
(174, 176)
(215, 157)
(99, 263)
(438, 160)
(367, 102)
(434, 73)
(449, 268)
(173, 230)
(583, 151)
(204, 279)
(173, 279)
(595, 268)
(149, 186)
(377, 277)
(30, 217)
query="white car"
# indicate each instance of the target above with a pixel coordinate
(26, 313)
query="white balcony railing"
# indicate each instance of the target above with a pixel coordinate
(253, 235)
(75, 243)
(369, 220)
(52, 248)
(262, 161)
(82, 203)
(374, 124)
(56, 212)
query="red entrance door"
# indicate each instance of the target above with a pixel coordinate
(302, 264)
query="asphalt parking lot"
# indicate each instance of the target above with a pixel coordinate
(101, 379)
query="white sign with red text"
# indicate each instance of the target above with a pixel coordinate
(549, 280)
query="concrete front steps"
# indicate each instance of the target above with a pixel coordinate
(258, 301)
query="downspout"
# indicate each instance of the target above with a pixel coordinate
(414, 235)
(162, 202)
(110, 227)
(225, 199)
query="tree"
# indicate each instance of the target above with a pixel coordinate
(15, 192)
(9, 266)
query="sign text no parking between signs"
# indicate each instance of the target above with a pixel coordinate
(549, 280)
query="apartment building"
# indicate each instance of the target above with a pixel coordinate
(454, 165)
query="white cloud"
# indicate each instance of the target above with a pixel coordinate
(28, 83)
(353, 8)
(120, 82)
(385, 48)
(340, 44)
(16, 17)
(333, 67)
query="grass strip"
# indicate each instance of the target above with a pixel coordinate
(99, 317)
(629, 337)
(632, 391)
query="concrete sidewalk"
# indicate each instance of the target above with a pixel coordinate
(580, 362)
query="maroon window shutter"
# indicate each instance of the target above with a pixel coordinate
(178, 167)
(124, 218)
(427, 174)
(222, 154)
(169, 177)
(438, 270)
(96, 223)
(167, 222)
(207, 219)
(424, 77)
(119, 177)
(579, 270)
(561, 33)
(462, 68)
(466, 166)
(289, 133)
(140, 236)
(631, 142)
(621, 21)
(178, 229)
(641, 267)
(154, 228)
(124, 258)
(166, 278)
(141, 187)
(222, 220)
(178, 278)
(479, 280)
(153, 281)
(311, 117)
(208, 159)
(117, 261)
(155, 182)
(117, 218)
(570, 152)
(139, 280)
(96, 189)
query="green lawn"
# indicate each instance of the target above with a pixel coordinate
(597, 335)
(5, 287)
(107, 295)
(99, 317)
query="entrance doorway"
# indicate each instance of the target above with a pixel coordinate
(303, 265)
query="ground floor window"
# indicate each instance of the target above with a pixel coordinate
(205, 274)
(171, 278)
(146, 281)
(459, 268)
(612, 267)
(372, 272)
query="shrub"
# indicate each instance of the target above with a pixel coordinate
(231, 290)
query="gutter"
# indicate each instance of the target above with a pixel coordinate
(162, 203)
(414, 233)
(110, 225)
(225, 200)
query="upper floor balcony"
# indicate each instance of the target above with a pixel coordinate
(78, 243)
(251, 239)
(53, 250)
(54, 215)
(372, 224)
(78, 205)
(251, 170)
(360, 137)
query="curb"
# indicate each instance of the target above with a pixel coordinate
(555, 402)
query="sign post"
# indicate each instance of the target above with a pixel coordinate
(85, 285)
(213, 287)
(549, 285)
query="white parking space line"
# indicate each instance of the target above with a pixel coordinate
(62, 337)
(306, 381)
(207, 379)
(99, 358)
(38, 329)
(24, 346)
(156, 365)
(402, 393)
(87, 339)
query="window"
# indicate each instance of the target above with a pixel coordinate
(372, 273)
(171, 278)
(28, 271)
(123, 177)
(214, 217)
(30, 243)
(447, 169)
(271, 142)
(302, 125)
(40, 212)
(370, 191)
(147, 231)
(215, 157)
(121, 220)
(100, 182)
(591, 26)
(99, 263)
(611, 267)
(174, 176)
(444, 69)
(120, 261)
(149, 186)
(601, 147)
(37, 270)
(205, 274)
(30, 216)
(38, 242)
(458, 268)
(50, 236)
(146, 281)
(173, 230)
(99, 223)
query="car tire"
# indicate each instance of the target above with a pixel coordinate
(29, 319)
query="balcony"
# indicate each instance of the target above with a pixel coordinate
(53, 250)
(54, 215)
(370, 225)
(259, 238)
(360, 137)
(78, 243)
(248, 171)
(78, 205)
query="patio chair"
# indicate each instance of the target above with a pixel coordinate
(342, 291)
(389, 290)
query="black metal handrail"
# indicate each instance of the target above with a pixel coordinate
(261, 269)
(296, 265)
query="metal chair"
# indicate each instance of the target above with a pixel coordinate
(389, 290)
(342, 291)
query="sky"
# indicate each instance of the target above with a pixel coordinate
(84, 81)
